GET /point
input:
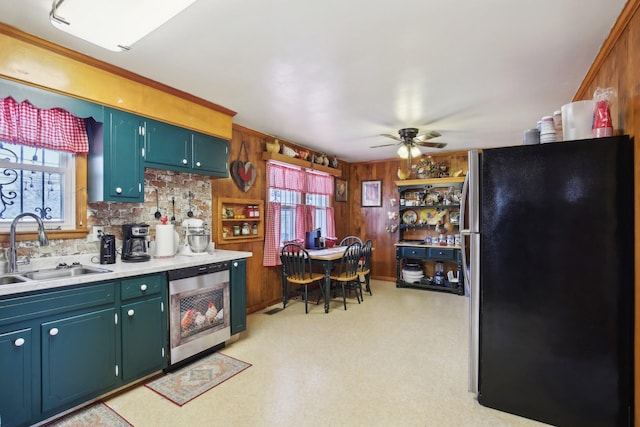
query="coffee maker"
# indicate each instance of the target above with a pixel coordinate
(134, 242)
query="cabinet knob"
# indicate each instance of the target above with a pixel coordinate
(130, 313)
(235, 264)
(118, 190)
(198, 164)
(185, 161)
(53, 332)
(19, 342)
(143, 287)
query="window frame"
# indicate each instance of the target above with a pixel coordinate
(81, 230)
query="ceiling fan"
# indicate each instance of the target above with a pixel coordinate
(410, 137)
(410, 141)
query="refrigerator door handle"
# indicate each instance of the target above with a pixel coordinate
(474, 313)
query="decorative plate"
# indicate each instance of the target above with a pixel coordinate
(431, 216)
(409, 217)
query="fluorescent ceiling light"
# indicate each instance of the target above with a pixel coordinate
(115, 25)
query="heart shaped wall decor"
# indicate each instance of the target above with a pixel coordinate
(244, 174)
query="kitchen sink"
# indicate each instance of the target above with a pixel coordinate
(8, 279)
(64, 271)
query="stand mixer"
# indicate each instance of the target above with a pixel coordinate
(191, 226)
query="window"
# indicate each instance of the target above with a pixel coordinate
(288, 200)
(39, 181)
(298, 201)
(39, 152)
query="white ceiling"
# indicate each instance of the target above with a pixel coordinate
(333, 75)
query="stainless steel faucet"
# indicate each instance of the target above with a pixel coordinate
(13, 252)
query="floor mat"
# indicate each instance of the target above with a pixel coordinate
(95, 415)
(195, 379)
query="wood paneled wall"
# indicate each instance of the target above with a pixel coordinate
(371, 222)
(263, 283)
(617, 66)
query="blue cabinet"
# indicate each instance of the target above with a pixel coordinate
(115, 169)
(144, 326)
(78, 358)
(174, 148)
(16, 357)
(238, 295)
(61, 348)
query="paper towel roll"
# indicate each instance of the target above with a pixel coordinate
(165, 240)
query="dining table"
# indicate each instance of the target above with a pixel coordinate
(324, 258)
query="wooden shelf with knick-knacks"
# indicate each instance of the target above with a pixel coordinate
(268, 155)
(239, 220)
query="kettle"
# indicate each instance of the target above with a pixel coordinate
(107, 249)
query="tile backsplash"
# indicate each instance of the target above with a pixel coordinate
(111, 215)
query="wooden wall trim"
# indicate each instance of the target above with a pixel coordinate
(76, 56)
(618, 29)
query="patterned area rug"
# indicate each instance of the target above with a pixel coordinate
(95, 415)
(193, 380)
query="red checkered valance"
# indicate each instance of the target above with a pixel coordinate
(53, 129)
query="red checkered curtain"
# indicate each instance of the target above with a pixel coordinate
(271, 256)
(283, 178)
(319, 183)
(53, 129)
(331, 224)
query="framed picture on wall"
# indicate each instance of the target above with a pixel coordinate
(372, 193)
(341, 194)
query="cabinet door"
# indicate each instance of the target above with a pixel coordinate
(167, 146)
(143, 338)
(15, 363)
(210, 155)
(124, 172)
(78, 358)
(238, 295)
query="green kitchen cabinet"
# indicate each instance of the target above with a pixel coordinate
(78, 358)
(16, 357)
(115, 168)
(175, 148)
(144, 326)
(210, 155)
(238, 295)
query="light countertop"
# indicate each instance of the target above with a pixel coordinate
(118, 270)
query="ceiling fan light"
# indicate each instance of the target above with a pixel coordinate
(403, 152)
(415, 152)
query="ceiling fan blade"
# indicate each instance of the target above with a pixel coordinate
(431, 144)
(383, 145)
(428, 135)
(391, 136)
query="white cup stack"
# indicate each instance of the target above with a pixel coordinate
(547, 130)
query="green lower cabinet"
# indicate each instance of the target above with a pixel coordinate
(143, 339)
(238, 295)
(16, 356)
(78, 358)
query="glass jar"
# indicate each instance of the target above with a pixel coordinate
(236, 230)
(245, 229)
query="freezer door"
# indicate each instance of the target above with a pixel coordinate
(557, 277)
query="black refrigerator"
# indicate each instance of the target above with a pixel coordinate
(549, 242)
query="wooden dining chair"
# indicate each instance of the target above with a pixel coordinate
(296, 269)
(364, 269)
(347, 273)
(346, 241)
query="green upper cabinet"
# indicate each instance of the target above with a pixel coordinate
(174, 148)
(210, 155)
(167, 146)
(115, 169)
